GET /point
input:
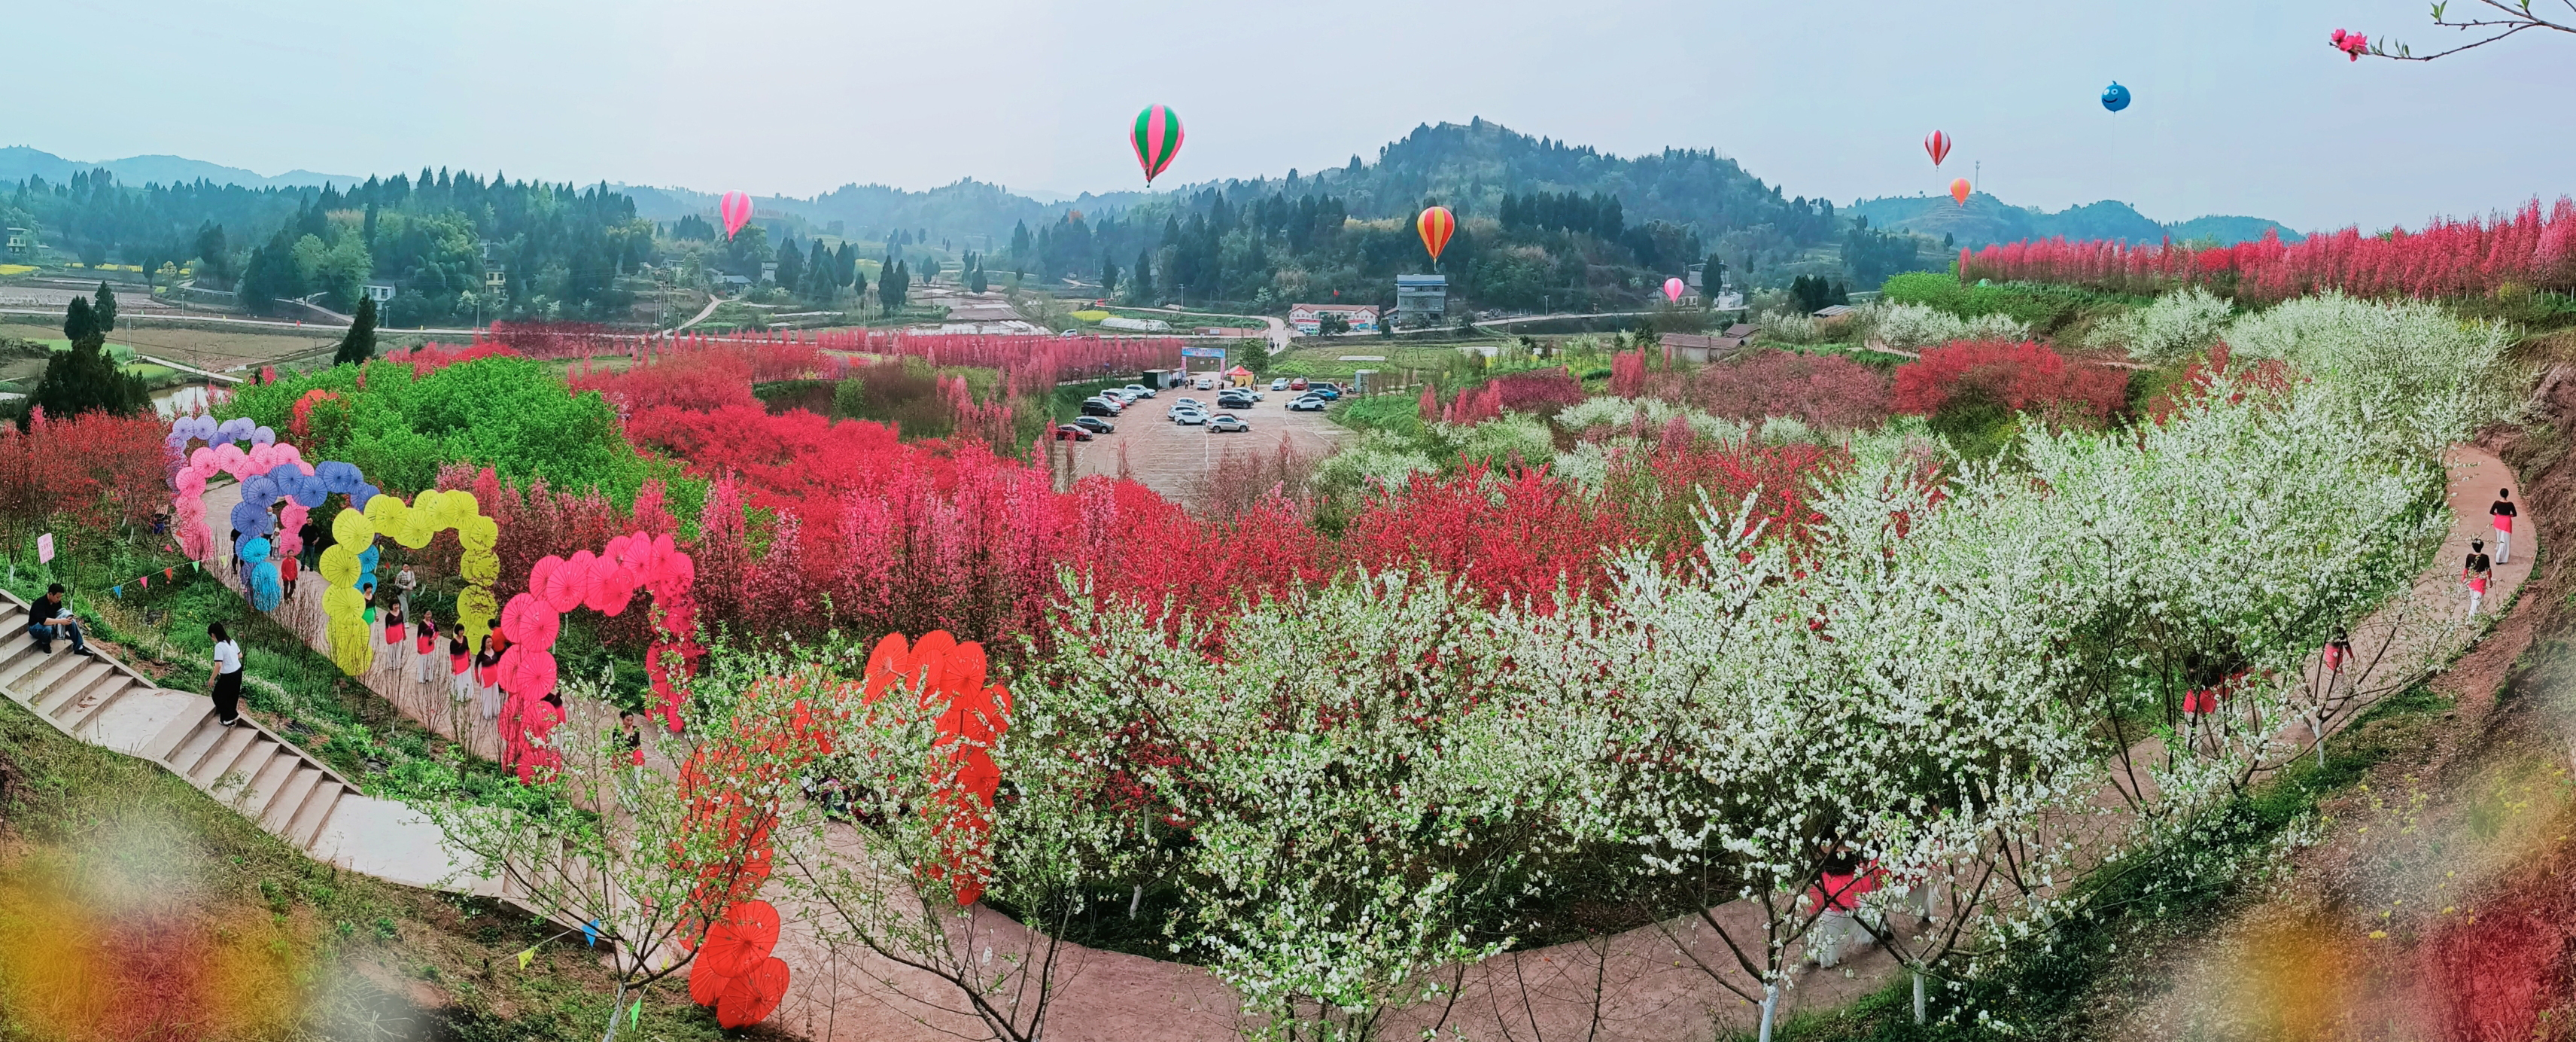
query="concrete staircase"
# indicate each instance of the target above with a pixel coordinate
(102, 701)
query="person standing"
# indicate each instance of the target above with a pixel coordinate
(425, 644)
(315, 538)
(487, 675)
(460, 659)
(52, 618)
(395, 632)
(404, 583)
(2503, 512)
(2476, 570)
(227, 677)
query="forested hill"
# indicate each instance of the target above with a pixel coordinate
(1986, 219)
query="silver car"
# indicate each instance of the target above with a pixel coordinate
(1222, 422)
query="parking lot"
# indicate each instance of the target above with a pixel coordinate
(1173, 459)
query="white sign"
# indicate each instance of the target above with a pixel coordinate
(44, 548)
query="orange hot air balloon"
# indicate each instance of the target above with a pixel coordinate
(1959, 191)
(1436, 225)
(1938, 145)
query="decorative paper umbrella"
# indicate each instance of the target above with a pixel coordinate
(737, 942)
(752, 997)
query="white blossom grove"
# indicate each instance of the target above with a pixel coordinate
(1973, 683)
(2177, 324)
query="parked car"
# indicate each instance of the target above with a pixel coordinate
(1325, 385)
(1235, 401)
(1280, 384)
(1298, 384)
(1204, 383)
(1069, 432)
(1324, 392)
(1106, 402)
(1189, 416)
(1184, 405)
(1095, 425)
(1140, 390)
(1309, 403)
(1122, 394)
(1095, 407)
(1226, 422)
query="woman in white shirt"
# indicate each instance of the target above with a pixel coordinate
(227, 679)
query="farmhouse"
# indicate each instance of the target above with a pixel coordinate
(1309, 318)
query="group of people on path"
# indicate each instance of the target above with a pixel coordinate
(2479, 568)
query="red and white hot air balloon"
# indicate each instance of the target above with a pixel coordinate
(736, 211)
(1673, 290)
(1938, 145)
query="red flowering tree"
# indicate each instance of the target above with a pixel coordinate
(2024, 376)
(1823, 391)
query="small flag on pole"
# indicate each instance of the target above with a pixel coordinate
(119, 590)
(44, 548)
(635, 1016)
(527, 957)
(590, 932)
(146, 582)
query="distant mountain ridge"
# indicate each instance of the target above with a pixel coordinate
(1986, 219)
(20, 162)
(1468, 166)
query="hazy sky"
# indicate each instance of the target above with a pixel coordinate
(2241, 107)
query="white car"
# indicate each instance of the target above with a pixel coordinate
(1280, 384)
(1176, 408)
(1138, 391)
(1189, 416)
(1204, 383)
(1310, 403)
(1227, 422)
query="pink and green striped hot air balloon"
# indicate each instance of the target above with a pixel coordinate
(1157, 138)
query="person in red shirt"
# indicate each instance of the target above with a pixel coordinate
(424, 645)
(2503, 512)
(2475, 571)
(1840, 885)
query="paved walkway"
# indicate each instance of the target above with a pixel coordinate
(1641, 985)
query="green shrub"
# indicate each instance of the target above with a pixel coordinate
(2042, 307)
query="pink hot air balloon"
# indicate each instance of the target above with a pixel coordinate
(736, 211)
(1673, 290)
(1959, 190)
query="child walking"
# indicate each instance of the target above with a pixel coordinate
(2476, 570)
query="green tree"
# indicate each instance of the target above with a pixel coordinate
(103, 309)
(79, 321)
(1108, 277)
(1140, 284)
(85, 379)
(359, 346)
(791, 266)
(891, 284)
(975, 280)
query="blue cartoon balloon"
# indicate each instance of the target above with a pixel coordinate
(2115, 97)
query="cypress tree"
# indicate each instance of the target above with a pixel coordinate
(85, 379)
(78, 321)
(103, 310)
(359, 346)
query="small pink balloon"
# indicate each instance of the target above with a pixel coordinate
(736, 211)
(1673, 290)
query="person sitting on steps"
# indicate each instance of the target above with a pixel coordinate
(52, 618)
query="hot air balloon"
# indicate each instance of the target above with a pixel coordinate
(1938, 145)
(2115, 97)
(1959, 190)
(1436, 225)
(1673, 290)
(1157, 138)
(736, 211)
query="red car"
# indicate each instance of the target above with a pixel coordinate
(1298, 384)
(1069, 432)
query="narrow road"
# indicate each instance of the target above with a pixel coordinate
(1280, 333)
(710, 309)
